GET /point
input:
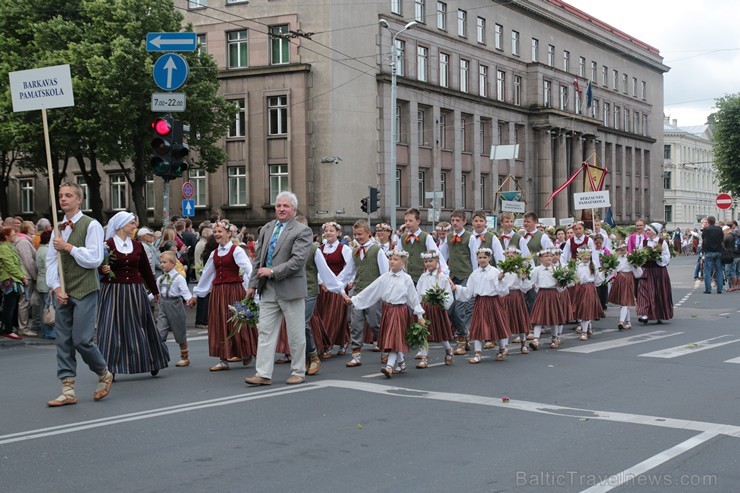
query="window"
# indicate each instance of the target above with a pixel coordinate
(481, 30)
(401, 61)
(443, 131)
(85, 206)
(483, 80)
(462, 23)
(464, 134)
(278, 180)
(419, 14)
(398, 187)
(625, 82)
(566, 60)
(198, 179)
(606, 114)
(500, 85)
(237, 48)
(279, 45)
(517, 90)
(644, 125)
(463, 191)
(636, 122)
(515, 43)
(444, 70)
(239, 125)
(668, 213)
(616, 116)
(149, 191)
(604, 76)
(563, 97)
(396, 7)
(197, 4)
(643, 90)
(277, 107)
(442, 16)
(498, 39)
(422, 54)
(483, 191)
(535, 49)
(594, 68)
(581, 66)
(464, 68)
(421, 126)
(420, 182)
(27, 205)
(443, 186)
(615, 80)
(550, 55)
(202, 41)
(577, 98)
(546, 94)
(634, 87)
(666, 151)
(485, 136)
(237, 185)
(117, 192)
(595, 109)
(626, 120)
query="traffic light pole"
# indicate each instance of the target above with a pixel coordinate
(368, 205)
(166, 204)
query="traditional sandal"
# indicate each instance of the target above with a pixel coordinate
(342, 351)
(234, 359)
(475, 359)
(530, 337)
(184, 358)
(246, 361)
(67, 397)
(517, 340)
(183, 362)
(355, 361)
(584, 336)
(314, 364)
(502, 354)
(489, 345)
(283, 361)
(400, 368)
(620, 326)
(524, 350)
(419, 356)
(555, 343)
(376, 349)
(384, 358)
(326, 355)
(103, 388)
(424, 363)
(387, 371)
(534, 344)
(449, 356)
(220, 366)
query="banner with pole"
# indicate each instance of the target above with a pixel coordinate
(515, 195)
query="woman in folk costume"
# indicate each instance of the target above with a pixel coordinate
(127, 334)
(514, 304)
(551, 306)
(330, 307)
(623, 287)
(398, 293)
(587, 303)
(654, 296)
(224, 276)
(440, 327)
(489, 322)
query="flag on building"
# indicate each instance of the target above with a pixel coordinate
(589, 95)
(577, 86)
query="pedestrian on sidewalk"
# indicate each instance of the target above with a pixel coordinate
(13, 279)
(712, 238)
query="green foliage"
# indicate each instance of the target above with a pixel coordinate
(638, 257)
(565, 275)
(726, 135)
(521, 266)
(417, 334)
(435, 296)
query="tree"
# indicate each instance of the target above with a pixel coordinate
(726, 130)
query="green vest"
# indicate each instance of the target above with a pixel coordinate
(415, 265)
(459, 256)
(312, 273)
(366, 270)
(78, 281)
(513, 242)
(487, 241)
(535, 245)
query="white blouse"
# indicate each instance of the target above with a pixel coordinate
(395, 288)
(584, 275)
(665, 256)
(429, 280)
(348, 271)
(173, 285)
(625, 266)
(482, 282)
(514, 282)
(542, 278)
(209, 271)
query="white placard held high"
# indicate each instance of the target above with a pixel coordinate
(513, 206)
(567, 221)
(548, 221)
(41, 88)
(591, 200)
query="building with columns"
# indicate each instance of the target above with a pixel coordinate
(313, 85)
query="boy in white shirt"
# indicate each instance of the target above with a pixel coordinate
(173, 289)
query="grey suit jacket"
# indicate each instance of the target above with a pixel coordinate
(288, 260)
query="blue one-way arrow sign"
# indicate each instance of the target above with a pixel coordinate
(188, 208)
(171, 41)
(170, 72)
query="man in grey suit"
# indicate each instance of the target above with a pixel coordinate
(279, 277)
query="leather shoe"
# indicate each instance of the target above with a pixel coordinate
(258, 380)
(13, 335)
(313, 367)
(294, 380)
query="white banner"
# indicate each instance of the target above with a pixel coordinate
(567, 221)
(519, 223)
(48, 87)
(591, 200)
(548, 221)
(513, 206)
(506, 151)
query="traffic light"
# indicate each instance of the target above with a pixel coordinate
(374, 199)
(180, 150)
(162, 136)
(364, 203)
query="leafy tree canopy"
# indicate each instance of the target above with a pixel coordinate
(726, 131)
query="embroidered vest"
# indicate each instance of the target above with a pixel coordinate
(78, 281)
(366, 270)
(459, 256)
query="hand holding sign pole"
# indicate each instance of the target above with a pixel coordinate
(42, 88)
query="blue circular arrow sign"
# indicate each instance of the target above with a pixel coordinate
(170, 72)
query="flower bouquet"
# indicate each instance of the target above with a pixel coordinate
(518, 265)
(654, 253)
(565, 275)
(108, 257)
(243, 313)
(638, 257)
(435, 296)
(609, 263)
(417, 334)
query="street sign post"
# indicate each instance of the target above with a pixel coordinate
(187, 190)
(724, 201)
(170, 72)
(171, 41)
(188, 208)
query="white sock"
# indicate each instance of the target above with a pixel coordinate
(584, 326)
(423, 351)
(628, 317)
(392, 356)
(502, 343)
(446, 345)
(478, 346)
(523, 337)
(400, 357)
(559, 329)
(624, 313)
(537, 331)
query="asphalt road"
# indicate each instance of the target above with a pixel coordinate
(651, 409)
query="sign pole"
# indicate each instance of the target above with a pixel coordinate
(166, 205)
(52, 195)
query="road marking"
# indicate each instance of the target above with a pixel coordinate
(441, 363)
(628, 475)
(575, 335)
(627, 341)
(733, 360)
(675, 352)
(688, 295)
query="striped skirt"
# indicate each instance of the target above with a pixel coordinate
(332, 310)
(394, 321)
(654, 296)
(242, 345)
(127, 335)
(516, 310)
(489, 322)
(588, 304)
(572, 292)
(550, 307)
(623, 289)
(440, 327)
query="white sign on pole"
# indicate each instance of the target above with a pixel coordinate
(567, 221)
(519, 223)
(591, 200)
(166, 102)
(508, 151)
(548, 221)
(513, 206)
(41, 88)
(491, 222)
(433, 215)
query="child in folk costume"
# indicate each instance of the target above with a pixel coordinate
(654, 296)
(440, 328)
(623, 287)
(601, 249)
(396, 289)
(587, 304)
(173, 290)
(514, 304)
(489, 322)
(550, 306)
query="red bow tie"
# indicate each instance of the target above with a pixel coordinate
(528, 235)
(409, 237)
(360, 249)
(481, 237)
(455, 239)
(68, 223)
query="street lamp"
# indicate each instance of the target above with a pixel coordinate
(390, 169)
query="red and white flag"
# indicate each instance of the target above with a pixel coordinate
(577, 86)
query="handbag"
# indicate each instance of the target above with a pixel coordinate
(49, 316)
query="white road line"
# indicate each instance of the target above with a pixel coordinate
(627, 341)
(628, 475)
(575, 335)
(733, 360)
(675, 352)
(410, 367)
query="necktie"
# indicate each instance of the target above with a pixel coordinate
(361, 249)
(273, 243)
(409, 237)
(68, 223)
(455, 239)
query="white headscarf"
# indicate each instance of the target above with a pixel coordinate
(118, 221)
(654, 227)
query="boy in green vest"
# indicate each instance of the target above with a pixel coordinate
(508, 237)
(415, 242)
(80, 248)
(536, 241)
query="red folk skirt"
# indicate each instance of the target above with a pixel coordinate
(550, 307)
(489, 321)
(332, 310)
(623, 289)
(587, 303)
(394, 321)
(516, 310)
(241, 345)
(440, 327)
(654, 298)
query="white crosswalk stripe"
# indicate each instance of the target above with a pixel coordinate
(690, 348)
(733, 360)
(627, 341)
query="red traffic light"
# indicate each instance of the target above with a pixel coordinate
(161, 126)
